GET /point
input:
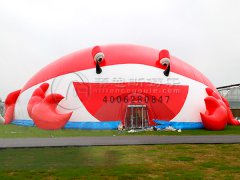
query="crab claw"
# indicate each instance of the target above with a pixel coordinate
(43, 110)
(210, 92)
(10, 105)
(37, 96)
(215, 117)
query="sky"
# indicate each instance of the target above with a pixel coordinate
(204, 33)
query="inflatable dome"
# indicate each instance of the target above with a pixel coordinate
(104, 87)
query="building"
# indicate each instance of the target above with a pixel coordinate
(232, 94)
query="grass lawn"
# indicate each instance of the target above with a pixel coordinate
(13, 131)
(123, 162)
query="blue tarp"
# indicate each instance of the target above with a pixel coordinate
(161, 124)
(93, 125)
(110, 125)
(77, 125)
(23, 122)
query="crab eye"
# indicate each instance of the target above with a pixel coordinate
(164, 59)
(98, 57)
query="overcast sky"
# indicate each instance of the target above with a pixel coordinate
(204, 33)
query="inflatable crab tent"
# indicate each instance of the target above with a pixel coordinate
(103, 87)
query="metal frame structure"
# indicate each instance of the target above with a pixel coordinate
(2, 107)
(134, 119)
(232, 94)
(226, 87)
(224, 90)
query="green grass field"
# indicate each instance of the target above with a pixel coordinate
(123, 162)
(13, 131)
(119, 162)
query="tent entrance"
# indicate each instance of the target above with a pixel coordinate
(136, 117)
